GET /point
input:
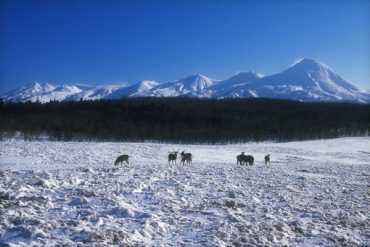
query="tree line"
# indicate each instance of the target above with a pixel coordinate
(186, 120)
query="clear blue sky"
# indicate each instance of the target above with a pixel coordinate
(105, 42)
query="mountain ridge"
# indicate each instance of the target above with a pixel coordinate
(307, 80)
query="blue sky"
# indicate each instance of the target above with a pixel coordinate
(105, 42)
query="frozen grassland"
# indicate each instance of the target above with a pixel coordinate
(70, 193)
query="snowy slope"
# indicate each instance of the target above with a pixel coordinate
(45, 92)
(94, 93)
(314, 193)
(61, 93)
(29, 92)
(309, 80)
(42, 92)
(135, 90)
(192, 86)
(236, 86)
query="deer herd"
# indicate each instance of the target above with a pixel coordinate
(241, 159)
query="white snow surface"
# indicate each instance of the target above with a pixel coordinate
(70, 193)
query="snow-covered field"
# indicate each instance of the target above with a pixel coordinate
(314, 193)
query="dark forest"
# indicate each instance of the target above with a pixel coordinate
(184, 120)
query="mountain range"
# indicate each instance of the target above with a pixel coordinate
(307, 80)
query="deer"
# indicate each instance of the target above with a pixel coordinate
(121, 158)
(186, 157)
(267, 159)
(239, 158)
(172, 157)
(249, 159)
(244, 159)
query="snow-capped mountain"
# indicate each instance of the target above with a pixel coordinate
(135, 90)
(93, 93)
(45, 92)
(192, 86)
(42, 92)
(307, 80)
(236, 86)
(29, 92)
